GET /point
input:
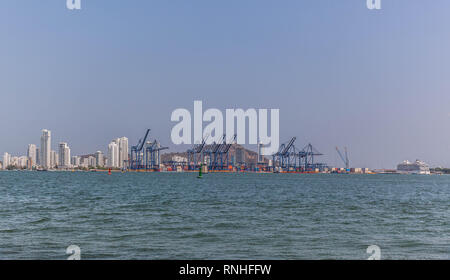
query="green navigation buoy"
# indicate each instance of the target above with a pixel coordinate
(200, 172)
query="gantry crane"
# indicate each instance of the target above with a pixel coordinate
(136, 160)
(306, 159)
(286, 155)
(196, 154)
(152, 159)
(224, 152)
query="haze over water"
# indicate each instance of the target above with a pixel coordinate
(223, 216)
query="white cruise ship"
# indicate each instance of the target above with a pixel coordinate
(417, 167)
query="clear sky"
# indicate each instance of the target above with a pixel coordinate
(341, 75)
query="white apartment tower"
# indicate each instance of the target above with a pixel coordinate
(92, 161)
(64, 155)
(22, 162)
(54, 159)
(76, 160)
(123, 152)
(113, 154)
(6, 160)
(31, 154)
(46, 143)
(99, 159)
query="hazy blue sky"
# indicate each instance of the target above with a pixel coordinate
(375, 81)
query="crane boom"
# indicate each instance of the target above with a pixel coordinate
(160, 149)
(229, 144)
(289, 145)
(200, 147)
(218, 146)
(344, 159)
(140, 145)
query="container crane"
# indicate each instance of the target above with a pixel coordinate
(285, 155)
(136, 152)
(306, 159)
(195, 152)
(214, 153)
(152, 155)
(223, 152)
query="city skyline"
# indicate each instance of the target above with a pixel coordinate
(117, 156)
(50, 156)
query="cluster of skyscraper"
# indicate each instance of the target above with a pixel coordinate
(46, 158)
(118, 153)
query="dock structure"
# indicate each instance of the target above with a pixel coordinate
(223, 157)
(212, 153)
(152, 156)
(290, 159)
(306, 159)
(195, 155)
(136, 160)
(146, 154)
(285, 157)
(214, 156)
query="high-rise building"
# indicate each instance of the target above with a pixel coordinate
(113, 154)
(64, 155)
(92, 162)
(6, 160)
(14, 161)
(76, 161)
(31, 154)
(22, 162)
(67, 157)
(54, 159)
(84, 162)
(123, 151)
(99, 159)
(38, 156)
(46, 144)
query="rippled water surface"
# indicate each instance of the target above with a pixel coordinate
(223, 216)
